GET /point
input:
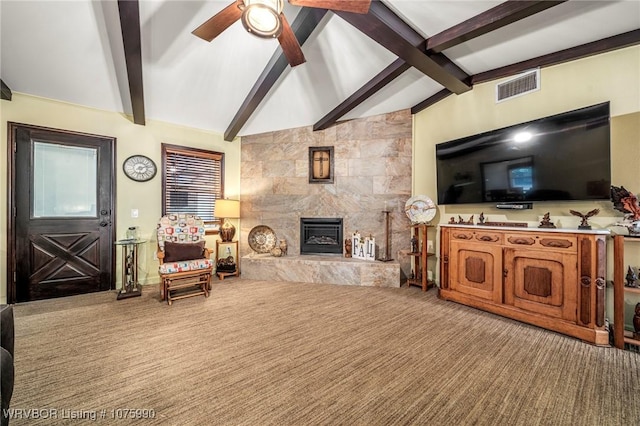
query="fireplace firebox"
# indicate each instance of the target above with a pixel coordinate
(321, 236)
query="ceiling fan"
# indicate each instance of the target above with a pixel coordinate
(264, 18)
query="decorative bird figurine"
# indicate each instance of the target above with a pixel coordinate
(585, 224)
(625, 202)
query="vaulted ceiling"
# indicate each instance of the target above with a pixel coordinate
(140, 58)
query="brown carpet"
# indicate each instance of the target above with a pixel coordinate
(271, 353)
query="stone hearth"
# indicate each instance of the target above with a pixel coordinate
(321, 269)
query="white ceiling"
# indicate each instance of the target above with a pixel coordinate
(72, 51)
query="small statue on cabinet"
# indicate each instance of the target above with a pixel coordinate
(481, 218)
(631, 277)
(584, 224)
(347, 247)
(461, 221)
(546, 222)
(452, 220)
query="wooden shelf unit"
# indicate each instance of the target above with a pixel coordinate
(620, 337)
(420, 257)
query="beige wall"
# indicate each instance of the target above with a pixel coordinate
(612, 76)
(131, 139)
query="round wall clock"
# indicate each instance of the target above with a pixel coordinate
(139, 168)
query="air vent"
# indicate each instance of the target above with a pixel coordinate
(520, 85)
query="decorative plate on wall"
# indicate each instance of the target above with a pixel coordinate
(420, 209)
(262, 239)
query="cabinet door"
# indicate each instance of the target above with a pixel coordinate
(543, 282)
(476, 270)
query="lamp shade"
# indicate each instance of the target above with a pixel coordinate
(227, 209)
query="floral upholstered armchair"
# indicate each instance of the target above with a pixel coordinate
(185, 267)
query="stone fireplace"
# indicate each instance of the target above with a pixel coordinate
(321, 235)
(372, 171)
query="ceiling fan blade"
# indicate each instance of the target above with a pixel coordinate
(355, 6)
(290, 45)
(218, 22)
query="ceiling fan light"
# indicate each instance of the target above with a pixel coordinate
(262, 17)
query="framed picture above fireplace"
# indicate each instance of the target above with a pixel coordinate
(321, 164)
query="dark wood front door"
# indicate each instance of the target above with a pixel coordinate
(63, 197)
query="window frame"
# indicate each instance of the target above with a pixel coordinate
(211, 226)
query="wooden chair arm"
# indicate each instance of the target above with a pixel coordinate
(160, 255)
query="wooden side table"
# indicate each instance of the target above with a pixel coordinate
(227, 259)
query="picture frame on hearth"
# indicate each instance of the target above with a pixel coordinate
(321, 164)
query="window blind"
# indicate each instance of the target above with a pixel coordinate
(192, 181)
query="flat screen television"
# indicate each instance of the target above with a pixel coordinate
(560, 157)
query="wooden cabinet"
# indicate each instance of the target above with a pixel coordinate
(420, 253)
(550, 278)
(620, 336)
(476, 269)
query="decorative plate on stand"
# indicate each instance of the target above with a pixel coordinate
(420, 209)
(262, 239)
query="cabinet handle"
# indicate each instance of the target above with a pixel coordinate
(523, 241)
(556, 243)
(487, 238)
(462, 236)
(505, 273)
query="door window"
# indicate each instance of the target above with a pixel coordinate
(64, 180)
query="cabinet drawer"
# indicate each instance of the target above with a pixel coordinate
(476, 236)
(488, 237)
(566, 243)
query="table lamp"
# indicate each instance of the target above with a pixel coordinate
(227, 209)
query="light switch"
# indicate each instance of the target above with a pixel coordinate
(134, 212)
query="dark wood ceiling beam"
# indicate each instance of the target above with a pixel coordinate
(306, 21)
(389, 74)
(490, 20)
(130, 26)
(391, 32)
(608, 44)
(430, 101)
(5, 91)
